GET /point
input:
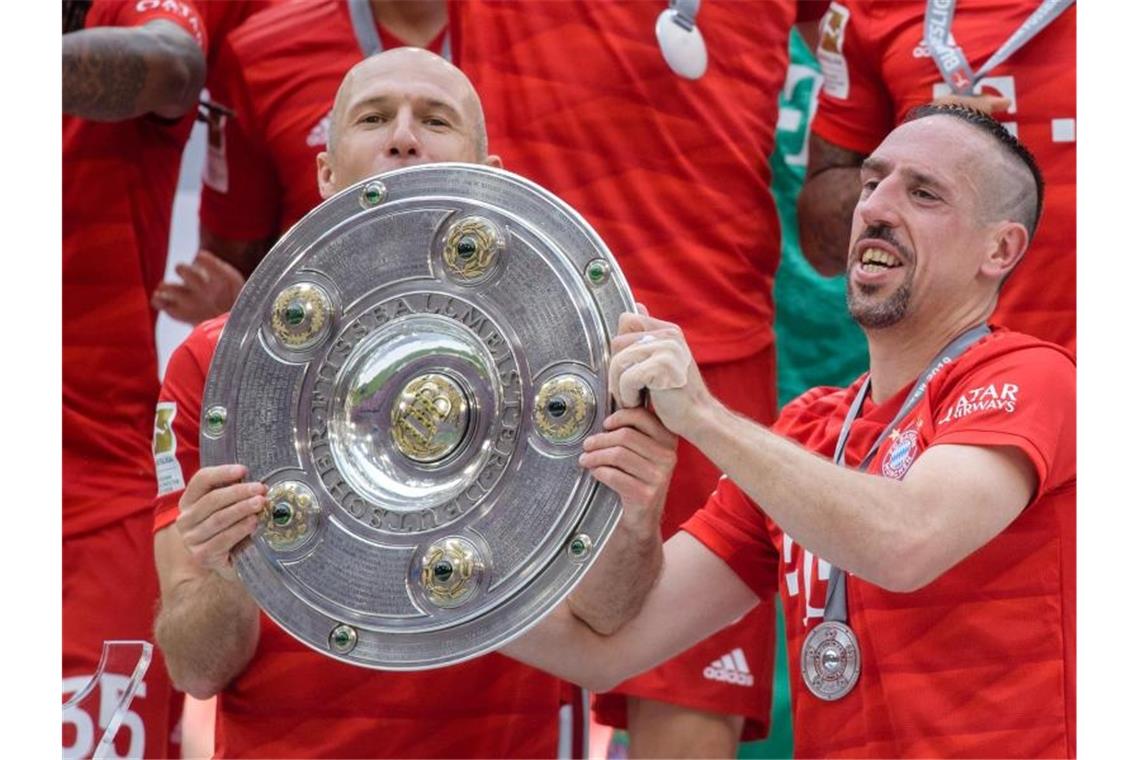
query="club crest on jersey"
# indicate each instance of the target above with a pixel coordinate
(902, 451)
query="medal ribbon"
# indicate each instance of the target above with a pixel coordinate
(951, 61)
(364, 25)
(835, 603)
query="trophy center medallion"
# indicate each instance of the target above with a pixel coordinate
(430, 418)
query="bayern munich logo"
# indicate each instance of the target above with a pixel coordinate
(900, 456)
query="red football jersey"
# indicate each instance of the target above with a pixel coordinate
(293, 702)
(876, 67)
(672, 173)
(981, 662)
(282, 71)
(118, 190)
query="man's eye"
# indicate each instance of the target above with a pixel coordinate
(925, 195)
(869, 185)
(371, 118)
(435, 121)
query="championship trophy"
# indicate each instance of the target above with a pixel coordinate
(411, 371)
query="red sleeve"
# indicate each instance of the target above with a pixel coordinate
(810, 10)
(177, 418)
(855, 109)
(184, 13)
(733, 528)
(240, 192)
(1025, 399)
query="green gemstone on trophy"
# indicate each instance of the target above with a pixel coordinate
(597, 271)
(373, 193)
(215, 419)
(342, 639)
(442, 571)
(577, 547)
(282, 513)
(466, 247)
(294, 313)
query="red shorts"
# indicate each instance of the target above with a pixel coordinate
(731, 671)
(110, 590)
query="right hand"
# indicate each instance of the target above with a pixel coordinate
(217, 512)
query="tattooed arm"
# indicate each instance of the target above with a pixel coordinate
(826, 204)
(115, 73)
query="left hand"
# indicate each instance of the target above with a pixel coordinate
(635, 457)
(209, 287)
(652, 354)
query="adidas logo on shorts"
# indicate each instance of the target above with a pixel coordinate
(732, 668)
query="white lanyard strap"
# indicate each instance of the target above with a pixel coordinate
(951, 61)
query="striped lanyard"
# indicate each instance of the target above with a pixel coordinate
(364, 25)
(951, 61)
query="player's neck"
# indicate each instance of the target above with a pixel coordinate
(900, 353)
(416, 22)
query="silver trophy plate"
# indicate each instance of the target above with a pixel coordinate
(411, 370)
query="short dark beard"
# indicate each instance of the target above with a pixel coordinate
(880, 315)
(889, 312)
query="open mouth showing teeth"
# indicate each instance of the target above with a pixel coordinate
(876, 258)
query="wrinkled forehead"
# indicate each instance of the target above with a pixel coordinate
(939, 146)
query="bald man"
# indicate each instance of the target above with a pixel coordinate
(278, 698)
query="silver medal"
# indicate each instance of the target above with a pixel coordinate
(829, 660)
(680, 40)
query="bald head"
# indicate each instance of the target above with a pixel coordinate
(411, 65)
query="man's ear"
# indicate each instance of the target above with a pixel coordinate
(325, 175)
(493, 161)
(1007, 247)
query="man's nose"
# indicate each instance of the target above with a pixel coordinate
(403, 142)
(880, 205)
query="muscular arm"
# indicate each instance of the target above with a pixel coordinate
(932, 519)
(112, 73)
(635, 457)
(899, 535)
(696, 596)
(826, 204)
(207, 625)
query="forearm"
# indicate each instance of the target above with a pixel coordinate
(615, 588)
(824, 209)
(856, 521)
(563, 645)
(110, 74)
(208, 629)
(696, 595)
(826, 204)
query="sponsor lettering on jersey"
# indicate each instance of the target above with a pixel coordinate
(922, 50)
(902, 451)
(832, 27)
(167, 469)
(731, 668)
(174, 7)
(995, 397)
